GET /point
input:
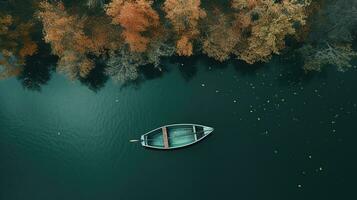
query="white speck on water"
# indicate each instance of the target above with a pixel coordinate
(59, 133)
(235, 101)
(276, 151)
(217, 91)
(181, 64)
(202, 84)
(299, 185)
(310, 156)
(258, 118)
(116, 100)
(320, 168)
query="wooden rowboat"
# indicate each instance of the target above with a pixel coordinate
(175, 136)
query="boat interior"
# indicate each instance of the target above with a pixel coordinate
(175, 136)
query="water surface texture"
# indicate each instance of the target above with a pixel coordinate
(278, 135)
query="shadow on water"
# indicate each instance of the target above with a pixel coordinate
(246, 69)
(146, 72)
(188, 68)
(291, 71)
(186, 65)
(97, 78)
(150, 72)
(38, 69)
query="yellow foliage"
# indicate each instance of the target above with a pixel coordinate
(222, 38)
(275, 21)
(184, 16)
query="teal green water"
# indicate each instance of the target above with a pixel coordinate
(278, 134)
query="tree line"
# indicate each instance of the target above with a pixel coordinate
(127, 34)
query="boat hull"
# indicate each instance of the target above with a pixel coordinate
(175, 136)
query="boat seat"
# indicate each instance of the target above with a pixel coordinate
(165, 137)
(194, 132)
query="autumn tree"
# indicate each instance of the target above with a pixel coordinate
(104, 36)
(184, 16)
(221, 36)
(65, 34)
(123, 65)
(138, 20)
(147, 39)
(271, 22)
(74, 38)
(16, 44)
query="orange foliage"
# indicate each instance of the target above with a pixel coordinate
(66, 35)
(114, 9)
(136, 17)
(222, 37)
(103, 35)
(184, 16)
(16, 45)
(29, 47)
(62, 30)
(184, 46)
(85, 67)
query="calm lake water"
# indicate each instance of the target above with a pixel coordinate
(279, 134)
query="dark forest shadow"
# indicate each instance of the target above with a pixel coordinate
(146, 72)
(38, 69)
(149, 72)
(212, 64)
(293, 73)
(246, 69)
(97, 78)
(188, 68)
(186, 65)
